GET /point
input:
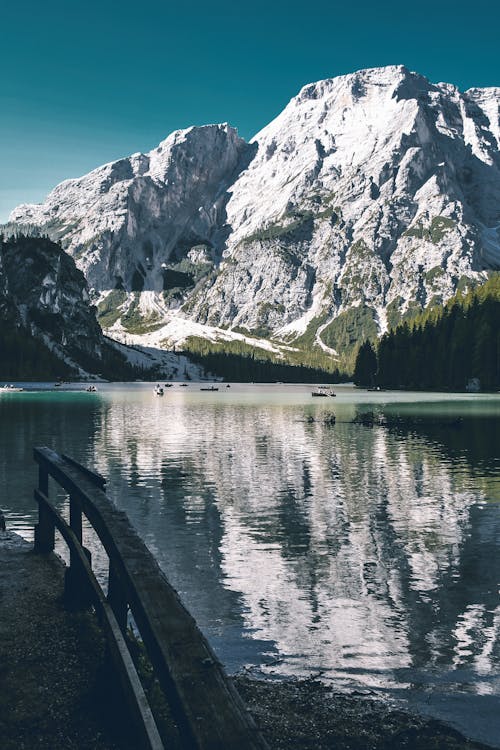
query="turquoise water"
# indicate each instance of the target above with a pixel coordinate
(368, 555)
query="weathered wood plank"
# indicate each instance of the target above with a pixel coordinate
(94, 476)
(209, 711)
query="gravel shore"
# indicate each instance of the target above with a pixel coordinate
(308, 715)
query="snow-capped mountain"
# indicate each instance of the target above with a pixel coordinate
(369, 196)
(124, 219)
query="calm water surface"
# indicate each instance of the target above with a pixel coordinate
(367, 555)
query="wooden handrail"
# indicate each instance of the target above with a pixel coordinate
(122, 660)
(96, 478)
(206, 707)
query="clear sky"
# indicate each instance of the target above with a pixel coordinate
(83, 82)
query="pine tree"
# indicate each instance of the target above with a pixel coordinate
(444, 348)
(365, 368)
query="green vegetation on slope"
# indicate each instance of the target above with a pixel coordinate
(134, 321)
(109, 309)
(435, 232)
(299, 223)
(443, 348)
(239, 361)
(23, 357)
(344, 333)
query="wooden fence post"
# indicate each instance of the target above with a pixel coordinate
(45, 528)
(76, 588)
(77, 593)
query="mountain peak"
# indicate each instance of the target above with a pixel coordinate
(388, 75)
(199, 131)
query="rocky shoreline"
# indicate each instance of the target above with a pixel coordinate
(308, 715)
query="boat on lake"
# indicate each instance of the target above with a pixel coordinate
(321, 392)
(10, 389)
(158, 390)
(91, 389)
(211, 388)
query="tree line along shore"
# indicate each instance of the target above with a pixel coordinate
(455, 347)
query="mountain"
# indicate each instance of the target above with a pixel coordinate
(44, 299)
(49, 329)
(123, 220)
(371, 196)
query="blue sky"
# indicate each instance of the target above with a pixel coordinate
(85, 82)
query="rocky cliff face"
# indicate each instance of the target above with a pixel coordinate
(44, 295)
(369, 196)
(124, 220)
(376, 189)
(42, 290)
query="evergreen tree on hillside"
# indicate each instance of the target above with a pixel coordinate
(444, 349)
(365, 369)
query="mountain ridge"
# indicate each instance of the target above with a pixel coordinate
(371, 195)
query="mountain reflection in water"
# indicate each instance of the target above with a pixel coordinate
(367, 554)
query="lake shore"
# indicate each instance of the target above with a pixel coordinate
(308, 715)
(54, 693)
(52, 662)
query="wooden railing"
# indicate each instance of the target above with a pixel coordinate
(208, 711)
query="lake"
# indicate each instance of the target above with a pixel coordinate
(364, 553)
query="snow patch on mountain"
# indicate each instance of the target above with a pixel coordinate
(177, 330)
